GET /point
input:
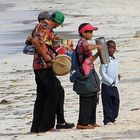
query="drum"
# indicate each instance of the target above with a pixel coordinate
(103, 54)
(61, 50)
(62, 64)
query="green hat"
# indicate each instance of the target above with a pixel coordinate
(58, 17)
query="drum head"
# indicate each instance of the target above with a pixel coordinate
(62, 64)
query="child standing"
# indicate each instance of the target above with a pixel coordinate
(110, 94)
(88, 103)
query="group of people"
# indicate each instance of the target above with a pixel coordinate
(49, 103)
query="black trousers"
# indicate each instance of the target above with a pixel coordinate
(60, 103)
(49, 101)
(87, 110)
(110, 101)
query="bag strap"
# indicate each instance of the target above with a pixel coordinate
(95, 75)
(78, 54)
(52, 49)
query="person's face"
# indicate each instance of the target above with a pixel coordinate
(88, 35)
(111, 49)
(55, 25)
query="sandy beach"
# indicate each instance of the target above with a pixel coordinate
(117, 20)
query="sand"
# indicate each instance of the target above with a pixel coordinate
(117, 20)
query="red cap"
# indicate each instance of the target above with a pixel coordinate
(87, 27)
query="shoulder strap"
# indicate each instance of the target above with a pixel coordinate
(52, 49)
(34, 29)
(77, 54)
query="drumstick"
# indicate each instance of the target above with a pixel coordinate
(54, 61)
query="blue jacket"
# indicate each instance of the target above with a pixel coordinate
(109, 72)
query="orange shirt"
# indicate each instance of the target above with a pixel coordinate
(45, 35)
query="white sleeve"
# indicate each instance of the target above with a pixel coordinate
(103, 73)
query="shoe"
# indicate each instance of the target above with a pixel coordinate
(65, 125)
(85, 126)
(114, 122)
(109, 123)
(96, 125)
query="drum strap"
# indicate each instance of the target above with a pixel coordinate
(52, 49)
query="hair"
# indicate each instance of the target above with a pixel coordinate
(109, 42)
(81, 26)
(43, 15)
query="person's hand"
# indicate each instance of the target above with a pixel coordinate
(47, 58)
(119, 76)
(113, 83)
(57, 37)
(99, 47)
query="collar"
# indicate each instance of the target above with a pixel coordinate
(112, 57)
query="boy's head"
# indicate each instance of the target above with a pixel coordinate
(57, 19)
(111, 47)
(85, 30)
(44, 15)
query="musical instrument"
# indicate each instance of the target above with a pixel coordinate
(103, 54)
(61, 50)
(62, 64)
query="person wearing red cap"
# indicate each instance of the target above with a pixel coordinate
(88, 103)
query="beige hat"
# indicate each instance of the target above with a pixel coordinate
(62, 64)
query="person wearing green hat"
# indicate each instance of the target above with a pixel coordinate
(50, 93)
(44, 15)
(58, 17)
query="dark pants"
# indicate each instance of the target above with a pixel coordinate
(60, 103)
(110, 101)
(49, 101)
(87, 110)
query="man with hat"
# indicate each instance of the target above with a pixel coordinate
(50, 93)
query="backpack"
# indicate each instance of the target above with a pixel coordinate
(29, 48)
(75, 63)
(75, 66)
